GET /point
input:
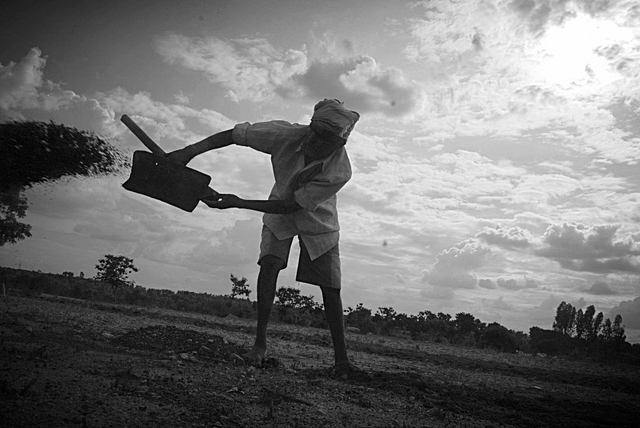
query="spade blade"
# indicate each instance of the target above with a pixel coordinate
(167, 181)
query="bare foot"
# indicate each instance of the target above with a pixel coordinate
(255, 357)
(346, 369)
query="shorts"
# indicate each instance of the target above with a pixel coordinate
(323, 271)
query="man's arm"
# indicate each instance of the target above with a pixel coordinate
(270, 207)
(213, 142)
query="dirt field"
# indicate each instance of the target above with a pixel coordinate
(71, 363)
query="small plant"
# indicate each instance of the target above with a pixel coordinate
(239, 287)
(115, 270)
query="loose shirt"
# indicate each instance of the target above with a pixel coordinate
(313, 186)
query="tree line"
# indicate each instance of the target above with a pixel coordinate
(575, 333)
(581, 333)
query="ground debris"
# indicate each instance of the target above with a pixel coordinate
(75, 376)
(273, 395)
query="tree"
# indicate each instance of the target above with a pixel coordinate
(467, 323)
(35, 152)
(360, 317)
(291, 298)
(12, 207)
(618, 330)
(386, 314)
(115, 270)
(580, 327)
(597, 326)
(565, 318)
(444, 317)
(606, 333)
(588, 321)
(498, 337)
(239, 287)
(426, 315)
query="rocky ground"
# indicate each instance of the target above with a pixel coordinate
(71, 363)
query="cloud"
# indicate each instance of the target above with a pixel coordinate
(249, 68)
(597, 249)
(539, 15)
(23, 87)
(253, 69)
(630, 312)
(509, 284)
(362, 84)
(600, 288)
(437, 292)
(236, 245)
(19, 82)
(453, 266)
(467, 255)
(498, 304)
(544, 313)
(487, 284)
(171, 125)
(506, 237)
(509, 67)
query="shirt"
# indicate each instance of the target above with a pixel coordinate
(313, 186)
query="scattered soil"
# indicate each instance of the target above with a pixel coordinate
(72, 363)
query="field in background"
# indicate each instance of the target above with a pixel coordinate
(72, 362)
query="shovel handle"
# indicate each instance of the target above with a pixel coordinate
(142, 136)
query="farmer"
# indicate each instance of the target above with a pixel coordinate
(310, 165)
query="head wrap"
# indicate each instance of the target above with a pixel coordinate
(331, 120)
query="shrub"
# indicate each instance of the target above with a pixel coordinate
(498, 337)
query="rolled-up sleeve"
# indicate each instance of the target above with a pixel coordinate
(239, 134)
(263, 136)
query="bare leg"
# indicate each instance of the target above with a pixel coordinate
(334, 313)
(270, 267)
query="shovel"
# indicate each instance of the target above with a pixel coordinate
(153, 175)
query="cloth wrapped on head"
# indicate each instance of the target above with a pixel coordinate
(331, 120)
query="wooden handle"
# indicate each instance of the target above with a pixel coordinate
(146, 140)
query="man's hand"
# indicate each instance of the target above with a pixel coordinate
(182, 156)
(222, 202)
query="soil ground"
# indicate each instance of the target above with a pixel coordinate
(72, 363)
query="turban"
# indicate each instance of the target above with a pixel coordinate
(331, 120)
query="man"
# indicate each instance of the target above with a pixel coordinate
(310, 165)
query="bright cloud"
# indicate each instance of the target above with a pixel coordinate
(510, 238)
(453, 267)
(23, 87)
(511, 66)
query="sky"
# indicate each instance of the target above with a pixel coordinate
(495, 162)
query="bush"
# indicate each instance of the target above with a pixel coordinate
(498, 337)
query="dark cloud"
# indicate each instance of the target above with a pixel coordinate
(513, 284)
(508, 284)
(600, 288)
(630, 312)
(487, 283)
(375, 90)
(597, 249)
